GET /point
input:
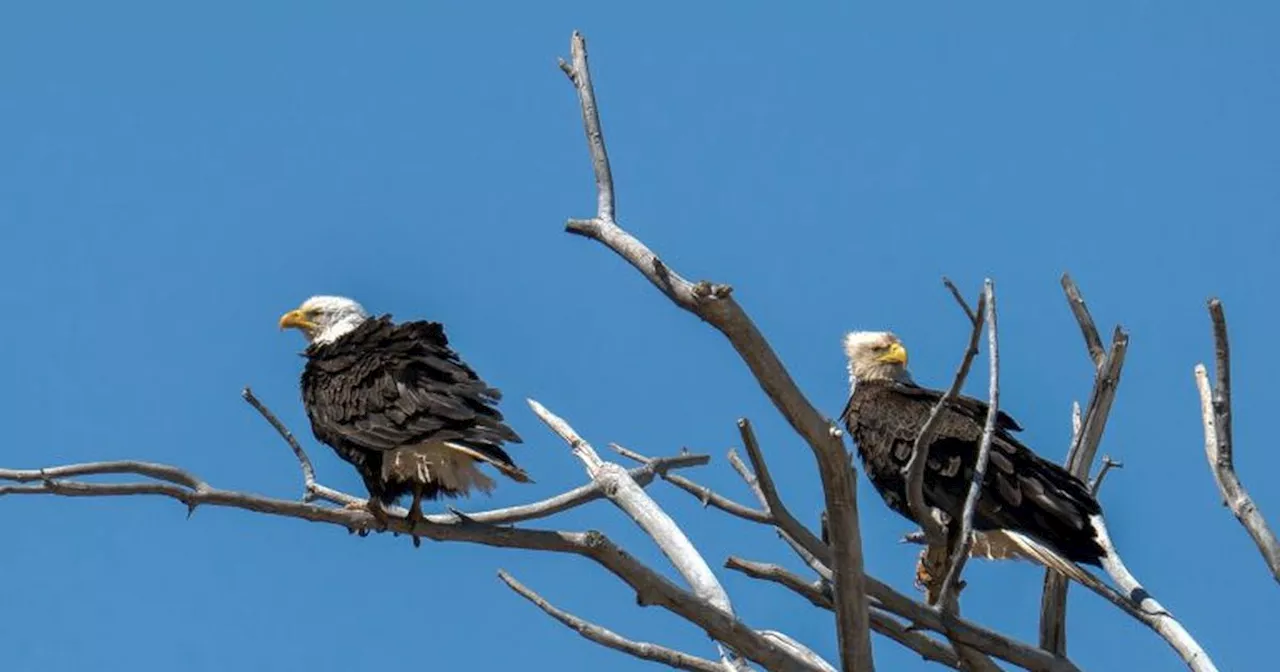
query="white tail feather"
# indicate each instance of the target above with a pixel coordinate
(1038, 552)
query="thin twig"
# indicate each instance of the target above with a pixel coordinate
(714, 304)
(915, 470)
(600, 635)
(973, 315)
(311, 488)
(965, 539)
(1215, 407)
(1107, 465)
(706, 495)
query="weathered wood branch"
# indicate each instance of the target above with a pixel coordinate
(817, 594)
(1085, 440)
(964, 539)
(706, 495)
(1219, 448)
(603, 636)
(652, 589)
(1088, 329)
(714, 304)
(632, 499)
(881, 595)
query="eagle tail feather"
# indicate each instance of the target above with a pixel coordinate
(1038, 552)
(506, 467)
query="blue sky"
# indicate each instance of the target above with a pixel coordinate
(173, 178)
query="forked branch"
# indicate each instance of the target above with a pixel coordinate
(714, 304)
(881, 596)
(1085, 440)
(1215, 411)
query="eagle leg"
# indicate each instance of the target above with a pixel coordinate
(415, 514)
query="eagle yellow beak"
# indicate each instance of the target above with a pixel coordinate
(896, 355)
(296, 319)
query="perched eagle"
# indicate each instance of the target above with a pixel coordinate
(396, 402)
(1037, 506)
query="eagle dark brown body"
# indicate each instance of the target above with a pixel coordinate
(385, 387)
(1021, 491)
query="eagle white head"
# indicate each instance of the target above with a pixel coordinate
(322, 319)
(875, 355)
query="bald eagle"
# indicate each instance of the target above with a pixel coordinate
(397, 402)
(1046, 513)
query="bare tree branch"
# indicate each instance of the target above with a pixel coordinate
(1107, 465)
(1085, 439)
(789, 643)
(311, 489)
(600, 635)
(772, 500)
(513, 514)
(881, 622)
(965, 539)
(632, 499)
(814, 591)
(1092, 339)
(967, 633)
(652, 589)
(1098, 409)
(1215, 409)
(973, 315)
(706, 495)
(883, 596)
(934, 531)
(714, 304)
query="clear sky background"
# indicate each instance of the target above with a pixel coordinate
(174, 177)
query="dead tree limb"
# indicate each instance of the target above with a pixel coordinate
(706, 495)
(965, 538)
(714, 304)
(1084, 446)
(881, 595)
(632, 499)
(652, 589)
(1215, 411)
(881, 622)
(603, 636)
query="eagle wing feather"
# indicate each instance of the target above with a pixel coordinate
(1021, 492)
(385, 386)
